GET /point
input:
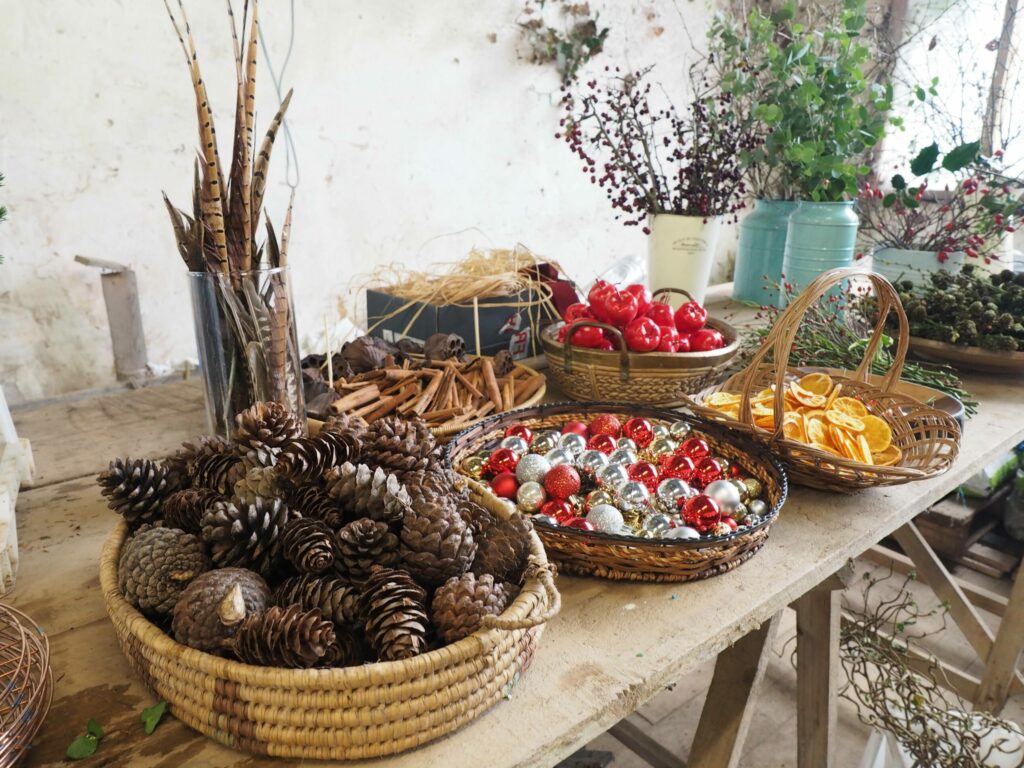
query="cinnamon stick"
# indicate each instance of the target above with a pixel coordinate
(355, 398)
(491, 382)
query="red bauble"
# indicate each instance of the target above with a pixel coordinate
(643, 297)
(562, 481)
(580, 523)
(620, 307)
(661, 313)
(502, 460)
(736, 471)
(602, 443)
(678, 466)
(706, 340)
(646, 473)
(575, 426)
(505, 485)
(733, 525)
(639, 430)
(700, 512)
(690, 317)
(642, 335)
(695, 447)
(560, 509)
(708, 470)
(605, 424)
(520, 430)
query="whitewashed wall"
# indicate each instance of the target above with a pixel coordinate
(418, 132)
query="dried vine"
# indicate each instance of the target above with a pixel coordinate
(570, 42)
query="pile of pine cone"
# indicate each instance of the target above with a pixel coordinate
(283, 550)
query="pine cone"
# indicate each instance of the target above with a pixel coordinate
(363, 544)
(348, 649)
(218, 471)
(311, 501)
(436, 543)
(336, 600)
(435, 482)
(396, 614)
(214, 604)
(184, 509)
(308, 458)
(400, 445)
(136, 489)
(308, 544)
(257, 483)
(284, 637)
(263, 431)
(156, 565)
(503, 543)
(460, 604)
(184, 459)
(345, 421)
(246, 535)
(363, 492)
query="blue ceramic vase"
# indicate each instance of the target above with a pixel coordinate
(760, 252)
(820, 237)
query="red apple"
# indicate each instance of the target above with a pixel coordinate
(642, 296)
(661, 313)
(643, 335)
(690, 317)
(706, 339)
(620, 307)
(669, 339)
(577, 311)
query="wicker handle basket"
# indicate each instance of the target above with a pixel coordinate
(683, 291)
(567, 346)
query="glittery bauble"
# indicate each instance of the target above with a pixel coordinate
(573, 444)
(516, 445)
(473, 466)
(633, 521)
(757, 507)
(725, 494)
(613, 477)
(682, 533)
(677, 465)
(753, 487)
(503, 460)
(575, 427)
(598, 497)
(695, 447)
(605, 424)
(544, 441)
(657, 523)
(520, 430)
(625, 442)
(605, 518)
(580, 524)
(530, 496)
(557, 456)
(661, 446)
(660, 430)
(590, 462)
(532, 468)
(639, 430)
(633, 496)
(646, 473)
(559, 509)
(602, 443)
(741, 514)
(623, 456)
(671, 491)
(544, 520)
(680, 430)
(742, 488)
(707, 471)
(721, 528)
(505, 485)
(725, 464)
(733, 525)
(700, 511)
(562, 481)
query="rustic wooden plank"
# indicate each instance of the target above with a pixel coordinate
(1001, 663)
(818, 615)
(725, 718)
(635, 738)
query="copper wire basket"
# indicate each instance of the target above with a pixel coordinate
(26, 683)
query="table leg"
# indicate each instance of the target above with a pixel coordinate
(1001, 662)
(725, 718)
(818, 616)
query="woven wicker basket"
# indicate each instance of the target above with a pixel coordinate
(928, 438)
(651, 378)
(628, 558)
(347, 713)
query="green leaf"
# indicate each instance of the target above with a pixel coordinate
(785, 13)
(94, 728)
(888, 200)
(962, 156)
(920, 93)
(82, 747)
(898, 182)
(925, 160)
(151, 716)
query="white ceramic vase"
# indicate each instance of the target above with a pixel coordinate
(681, 252)
(897, 264)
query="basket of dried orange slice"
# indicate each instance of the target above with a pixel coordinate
(835, 432)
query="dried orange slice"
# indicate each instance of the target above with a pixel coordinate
(847, 447)
(851, 406)
(720, 399)
(793, 427)
(878, 433)
(845, 421)
(815, 430)
(817, 383)
(827, 447)
(833, 396)
(814, 413)
(765, 421)
(803, 397)
(887, 458)
(864, 450)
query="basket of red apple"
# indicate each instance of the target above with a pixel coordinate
(631, 346)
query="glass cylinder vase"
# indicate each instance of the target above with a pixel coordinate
(247, 343)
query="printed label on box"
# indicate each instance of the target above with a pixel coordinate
(519, 344)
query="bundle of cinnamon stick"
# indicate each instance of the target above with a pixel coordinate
(442, 393)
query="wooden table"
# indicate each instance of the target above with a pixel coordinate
(613, 648)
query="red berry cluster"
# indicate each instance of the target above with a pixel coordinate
(647, 325)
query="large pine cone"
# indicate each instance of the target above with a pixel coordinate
(284, 637)
(460, 604)
(218, 472)
(257, 483)
(263, 431)
(214, 604)
(400, 445)
(136, 489)
(156, 565)
(337, 600)
(503, 543)
(438, 481)
(436, 543)
(396, 614)
(363, 544)
(363, 492)
(308, 544)
(184, 509)
(184, 460)
(308, 458)
(311, 501)
(247, 536)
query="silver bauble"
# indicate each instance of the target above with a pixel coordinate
(572, 443)
(590, 462)
(515, 444)
(531, 496)
(725, 493)
(633, 496)
(613, 477)
(680, 430)
(661, 446)
(657, 523)
(544, 520)
(660, 430)
(757, 507)
(623, 456)
(625, 442)
(598, 498)
(682, 533)
(557, 456)
(670, 491)
(532, 468)
(605, 518)
(544, 441)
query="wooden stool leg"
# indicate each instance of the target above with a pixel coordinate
(1001, 663)
(818, 615)
(725, 718)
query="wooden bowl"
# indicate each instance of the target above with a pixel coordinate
(966, 358)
